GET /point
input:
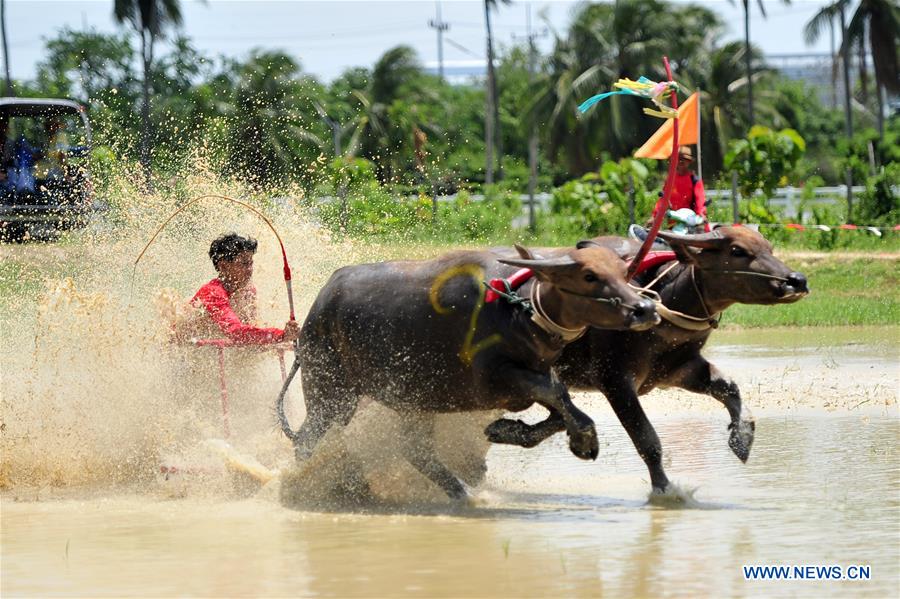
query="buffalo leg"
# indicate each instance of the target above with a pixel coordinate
(516, 432)
(326, 404)
(700, 376)
(553, 395)
(418, 449)
(627, 406)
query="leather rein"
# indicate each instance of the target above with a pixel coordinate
(686, 321)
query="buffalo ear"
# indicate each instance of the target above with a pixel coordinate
(524, 252)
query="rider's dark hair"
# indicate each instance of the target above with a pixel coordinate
(228, 246)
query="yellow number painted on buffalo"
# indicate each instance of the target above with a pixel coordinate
(468, 351)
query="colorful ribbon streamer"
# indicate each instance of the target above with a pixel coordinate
(656, 92)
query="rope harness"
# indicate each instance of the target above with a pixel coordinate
(680, 319)
(532, 305)
(686, 321)
(540, 318)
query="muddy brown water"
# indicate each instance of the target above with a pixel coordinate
(822, 487)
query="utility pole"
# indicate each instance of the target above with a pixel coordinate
(9, 89)
(441, 26)
(532, 133)
(848, 114)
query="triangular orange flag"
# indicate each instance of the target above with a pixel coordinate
(659, 146)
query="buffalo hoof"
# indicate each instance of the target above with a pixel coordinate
(585, 444)
(456, 491)
(741, 439)
(509, 432)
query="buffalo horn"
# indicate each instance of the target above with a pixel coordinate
(543, 264)
(702, 240)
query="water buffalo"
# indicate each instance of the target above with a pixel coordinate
(714, 270)
(417, 337)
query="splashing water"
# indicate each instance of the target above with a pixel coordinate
(92, 389)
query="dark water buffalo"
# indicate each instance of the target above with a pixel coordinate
(714, 270)
(418, 337)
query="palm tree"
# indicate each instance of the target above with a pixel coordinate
(9, 90)
(492, 137)
(748, 53)
(723, 100)
(882, 18)
(604, 43)
(267, 126)
(149, 18)
(827, 15)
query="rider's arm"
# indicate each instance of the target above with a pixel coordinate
(215, 301)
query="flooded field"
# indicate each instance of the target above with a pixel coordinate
(95, 400)
(822, 487)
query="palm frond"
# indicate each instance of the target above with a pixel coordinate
(816, 25)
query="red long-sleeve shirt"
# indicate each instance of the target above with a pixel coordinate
(216, 300)
(688, 192)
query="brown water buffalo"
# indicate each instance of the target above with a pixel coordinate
(418, 338)
(714, 270)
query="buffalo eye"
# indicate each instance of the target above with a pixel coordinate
(738, 252)
(591, 278)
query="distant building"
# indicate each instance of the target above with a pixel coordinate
(460, 72)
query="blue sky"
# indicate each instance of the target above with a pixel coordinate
(328, 37)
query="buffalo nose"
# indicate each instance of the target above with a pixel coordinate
(797, 281)
(644, 307)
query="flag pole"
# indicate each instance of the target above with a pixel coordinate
(699, 139)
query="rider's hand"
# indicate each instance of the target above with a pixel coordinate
(291, 330)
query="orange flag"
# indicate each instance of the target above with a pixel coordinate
(659, 145)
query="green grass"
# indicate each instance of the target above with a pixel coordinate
(17, 280)
(845, 291)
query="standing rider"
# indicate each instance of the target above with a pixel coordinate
(227, 304)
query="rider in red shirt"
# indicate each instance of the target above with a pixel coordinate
(687, 191)
(226, 306)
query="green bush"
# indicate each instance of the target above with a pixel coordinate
(580, 205)
(879, 205)
(764, 159)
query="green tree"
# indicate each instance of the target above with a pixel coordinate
(87, 64)
(149, 18)
(96, 69)
(606, 42)
(882, 20)
(269, 122)
(723, 99)
(764, 159)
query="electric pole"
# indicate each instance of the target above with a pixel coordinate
(9, 90)
(532, 134)
(441, 26)
(848, 114)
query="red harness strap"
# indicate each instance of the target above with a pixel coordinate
(517, 279)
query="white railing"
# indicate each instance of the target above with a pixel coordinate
(784, 197)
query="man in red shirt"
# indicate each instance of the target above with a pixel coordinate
(687, 191)
(226, 306)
